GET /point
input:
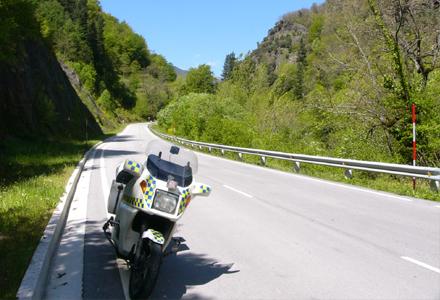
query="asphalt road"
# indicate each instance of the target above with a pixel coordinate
(262, 234)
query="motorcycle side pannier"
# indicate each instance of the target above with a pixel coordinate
(114, 197)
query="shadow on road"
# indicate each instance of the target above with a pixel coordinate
(116, 153)
(121, 139)
(182, 270)
(101, 276)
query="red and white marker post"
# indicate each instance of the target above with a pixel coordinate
(413, 109)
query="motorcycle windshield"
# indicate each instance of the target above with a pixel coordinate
(165, 161)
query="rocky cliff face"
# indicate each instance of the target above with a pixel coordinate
(37, 99)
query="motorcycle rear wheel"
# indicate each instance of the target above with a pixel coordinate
(145, 269)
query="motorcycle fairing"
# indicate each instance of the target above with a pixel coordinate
(146, 202)
(154, 236)
(137, 202)
(149, 193)
(185, 198)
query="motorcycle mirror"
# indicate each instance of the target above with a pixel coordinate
(174, 150)
(200, 189)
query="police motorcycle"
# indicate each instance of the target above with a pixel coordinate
(147, 201)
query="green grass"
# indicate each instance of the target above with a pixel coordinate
(389, 183)
(33, 175)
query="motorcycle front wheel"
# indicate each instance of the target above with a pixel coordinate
(145, 269)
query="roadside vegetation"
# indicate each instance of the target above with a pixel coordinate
(336, 80)
(389, 183)
(33, 175)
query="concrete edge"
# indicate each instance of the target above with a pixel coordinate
(35, 278)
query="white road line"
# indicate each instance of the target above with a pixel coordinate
(438, 206)
(422, 264)
(124, 274)
(305, 177)
(240, 192)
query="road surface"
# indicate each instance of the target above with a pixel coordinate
(262, 234)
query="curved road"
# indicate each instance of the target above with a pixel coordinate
(261, 234)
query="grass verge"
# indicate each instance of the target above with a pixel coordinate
(33, 175)
(389, 183)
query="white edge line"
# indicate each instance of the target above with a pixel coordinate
(421, 264)
(235, 190)
(438, 206)
(105, 191)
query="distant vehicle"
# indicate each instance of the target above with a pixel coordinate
(147, 200)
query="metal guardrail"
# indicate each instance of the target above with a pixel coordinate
(432, 174)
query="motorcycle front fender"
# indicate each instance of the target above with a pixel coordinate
(154, 236)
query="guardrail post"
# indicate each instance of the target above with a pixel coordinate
(209, 149)
(223, 152)
(435, 185)
(348, 173)
(263, 160)
(296, 166)
(200, 147)
(240, 155)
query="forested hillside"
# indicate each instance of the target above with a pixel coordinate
(36, 98)
(109, 66)
(337, 79)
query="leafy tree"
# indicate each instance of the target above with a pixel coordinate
(228, 66)
(161, 69)
(298, 83)
(355, 76)
(17, 22)
(200, 80)
(106, 101)
(316, 27)
(243, 73)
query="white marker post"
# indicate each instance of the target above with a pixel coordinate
(413, 109)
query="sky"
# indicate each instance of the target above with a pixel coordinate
(193, 32)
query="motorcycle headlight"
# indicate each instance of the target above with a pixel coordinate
(166, 202)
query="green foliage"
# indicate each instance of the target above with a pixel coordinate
(285, 81)
(355, 97)
(87, 73)
(112, 62)
(106, 101)
(228, 67)
(199, 80)
(206, 117)
(33, 174)
(123, 45)
(243, 74)
(17, 22)
(45, 110)
(161, 69)
(298, 80)
(315, 28)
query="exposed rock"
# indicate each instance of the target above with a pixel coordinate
(37, 98)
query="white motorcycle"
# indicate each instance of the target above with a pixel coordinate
(147, 200)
